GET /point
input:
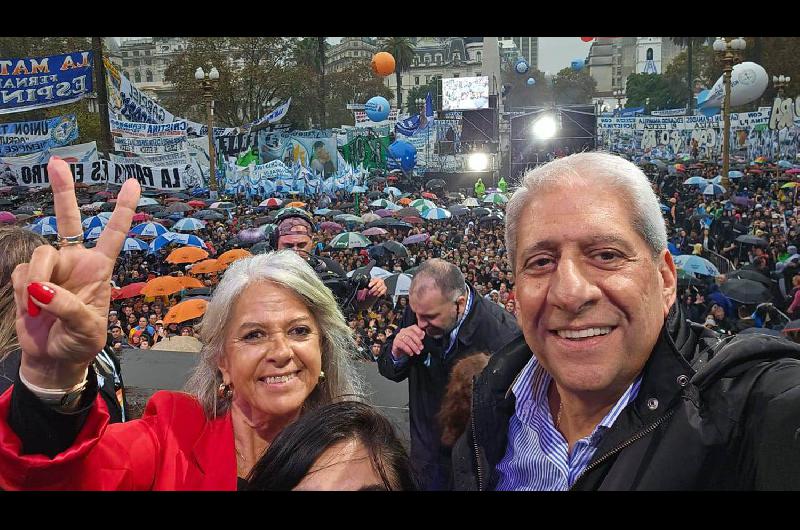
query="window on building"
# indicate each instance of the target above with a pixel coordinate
(438, 58)
(478, 56)
(427, 79)
(136, 53)
(477, 74)
(416, 80)
(427, 58)
(649, 54)
(416, 61)
(147, 52)
(134, 63)
(148, 62)
(137, 76)
(456, 74)
(124, 54)
(125, 63)
(149, 76)
(456, 56)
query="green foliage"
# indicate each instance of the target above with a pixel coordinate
(523, 95)
(641, 87)
(421, 92)
(356, 83)
(403, 52)
(573, 87)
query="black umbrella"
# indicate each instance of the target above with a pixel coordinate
(346, 206)
(333, 213)
(762, 331)
(26, 208)
(412, 271)
(388, 222)
(491, 218)
(455, 196)
(200, 291)
(207, 215)
(179, 195)
(746, 291)
(179, 207)
(377, 252)
(151, 208)
(374, 195)
(458, 212)
(749, 275)
(752, 240)
(407, 212)
(19, 190)
(434, 183)
(481, 211)
(261, 248)
(395, 248)
(107, 207)
(151, 193)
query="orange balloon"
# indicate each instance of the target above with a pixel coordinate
(383, 64)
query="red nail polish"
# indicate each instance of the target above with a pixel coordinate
(41, 293)
(33, 309)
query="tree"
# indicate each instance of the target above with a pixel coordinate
(573, 87)
(640, 88)
(520, 94)
(355, 84)
(253, 73)
(690, 43)
(403, 53)
(421, 92)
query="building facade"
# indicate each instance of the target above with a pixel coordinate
(144, 60)
(527, 48)
(348, 51)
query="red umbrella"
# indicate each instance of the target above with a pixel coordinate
(330, 226)
(196, 204)
(129, 291)
(139, 217)
(413, 220)
(428, 195)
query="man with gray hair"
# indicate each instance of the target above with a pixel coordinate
(446, 320)
(610, 387)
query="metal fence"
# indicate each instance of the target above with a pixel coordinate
(722, 263)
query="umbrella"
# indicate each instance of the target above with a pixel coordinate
(93, 222)
(388, 222)
(752, 240)
(349, 240)
(100, 195)
(7, 217)
(348, 218)
(398, 284)
(373, 195)
(208, 266)
(128, 291)
(369, 217)
(428, 195)
(374, 231)
(93, 233)
(395, 248)
(296, 204)
(391, 190)
(188, 240)
(233, 255)
(140, 217)
(132, 244)
(261, 248)
(149, 229)
(695, 264)
(186, 255)
(222, 205)
(196, 204)
(407, 212)
(713, 189)
(182, 343)
(251, 236)
(695, 181)
(384, 212)
(186, 310)
(179, 207)
(332, 213)
(497, 216)
(680, 167)
(371, 271)
(434, 184)
(481, 211)
(746, 291)
(495, 198)
(147, 201)
(749, 275)
(322, 211)
(784, 164)
(405, 201)
(189, 224)
(43, 230)
(358, 189)
(272, 202)
(422, 204)
(736, 174)
(381, 203)
(793, 171)
(458, 210)
(49, 220)
(188, 282)
(413, 220)
(208, 215)
(330, 226)
(471, 202)
(178, 195)
(162, 286)
(789, 185)
(437, 214)
(416, 238)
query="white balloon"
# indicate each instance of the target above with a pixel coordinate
(748, 82)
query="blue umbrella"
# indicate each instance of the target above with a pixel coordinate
(105, 215)
(695, 264)
(162, 241)
(94, 221)
(93, 233)
(717, 180)
(189, 224)
(783, 164)
(147, 201)
(713, 189)
(322, 211)
(436, 213)
(49, 220)
(189, 240)
(133, 244)
(358, 189)
(392, 190)
(673, 249)
(149, 229)
(735, 174)
(695, 181)
(43, 230)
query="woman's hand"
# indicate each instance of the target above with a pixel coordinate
(63, 295)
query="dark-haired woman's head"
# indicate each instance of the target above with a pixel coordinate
(342, 446)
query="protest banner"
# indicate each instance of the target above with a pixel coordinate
(26, 137)
(40, 82)
(31, 170)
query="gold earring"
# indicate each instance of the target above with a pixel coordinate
(321, 376)
(225, 391)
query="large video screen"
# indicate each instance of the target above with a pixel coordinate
(465, 93)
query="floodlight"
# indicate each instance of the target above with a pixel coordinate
(478, 161)
(545, 127)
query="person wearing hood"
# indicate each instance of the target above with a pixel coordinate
(622, 392)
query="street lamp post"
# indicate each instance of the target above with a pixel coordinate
(729, 54)
(619, 95)
(207, 83)
(780, 82)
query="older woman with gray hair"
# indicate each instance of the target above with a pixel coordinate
(275, 345)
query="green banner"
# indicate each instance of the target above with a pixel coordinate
(369, 151)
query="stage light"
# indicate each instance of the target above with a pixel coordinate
(544, 128)
(477, 161)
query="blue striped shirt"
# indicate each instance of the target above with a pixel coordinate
(537, 456)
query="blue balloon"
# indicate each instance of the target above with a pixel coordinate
(402, 155)
(377, 108)
(577, 64)
(531, 81)
(521, 66)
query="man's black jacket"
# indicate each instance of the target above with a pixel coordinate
(486, 328)
(711, 414)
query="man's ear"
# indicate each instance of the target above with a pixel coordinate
(669, 279)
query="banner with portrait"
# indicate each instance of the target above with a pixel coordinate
(26, 137)
(40, 82)
(31, 170)
(314, 149)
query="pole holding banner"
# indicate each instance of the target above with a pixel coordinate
(102, 95)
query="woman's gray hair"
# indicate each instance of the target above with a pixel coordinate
(286, 268)
(604, 171)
